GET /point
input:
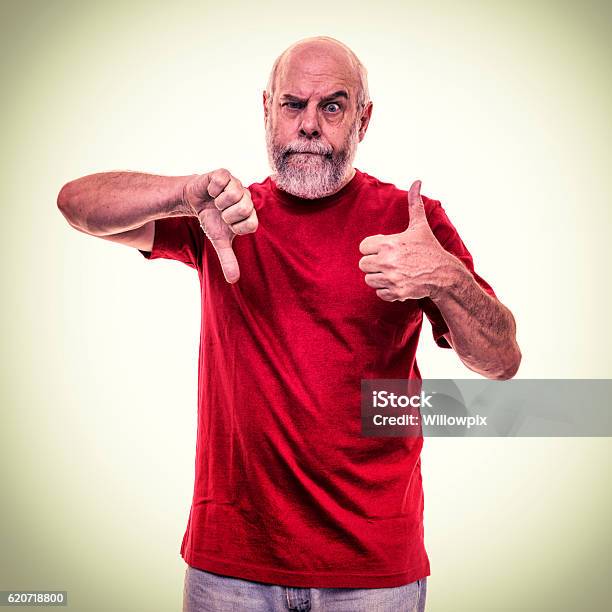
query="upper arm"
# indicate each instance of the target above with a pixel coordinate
(140, 237)
(179, 238)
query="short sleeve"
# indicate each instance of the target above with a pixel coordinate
(449, 238)
(178, 238)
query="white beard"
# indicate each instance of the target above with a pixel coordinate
(315, 175)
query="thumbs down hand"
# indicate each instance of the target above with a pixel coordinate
(224, 209)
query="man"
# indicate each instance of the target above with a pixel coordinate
(326, 284)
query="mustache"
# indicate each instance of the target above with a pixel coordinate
(317, 148)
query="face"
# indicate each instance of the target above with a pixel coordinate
(313, 124)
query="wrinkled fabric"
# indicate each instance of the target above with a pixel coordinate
(287, 491)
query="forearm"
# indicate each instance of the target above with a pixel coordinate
(113, 202)
(482, 330)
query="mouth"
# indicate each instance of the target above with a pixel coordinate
(327, 156)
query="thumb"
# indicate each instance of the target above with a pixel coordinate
(227, 258)
(416, 209)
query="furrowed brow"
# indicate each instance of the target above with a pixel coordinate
(337, 94)
(292, 98)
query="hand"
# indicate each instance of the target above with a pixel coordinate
(224, 209)
(409, 265)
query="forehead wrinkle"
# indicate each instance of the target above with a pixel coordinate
(325, 48)
(323, 85)
(326, 91)
(317, 65)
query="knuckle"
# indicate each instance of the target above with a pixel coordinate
(224, 201)
(220, 176)
(248, 226)
(248, 205)
(391, 262)
(240, 206)
(234, 214)
(233, 195)
(384, 263)
(246, 210)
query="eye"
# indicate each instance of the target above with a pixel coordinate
(293, 105)
(332, 107)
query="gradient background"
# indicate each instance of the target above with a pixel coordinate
(501, 109)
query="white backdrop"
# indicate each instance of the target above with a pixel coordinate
(501, 109)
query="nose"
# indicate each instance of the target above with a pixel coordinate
(309, 126)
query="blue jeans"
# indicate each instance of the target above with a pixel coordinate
(208, 592)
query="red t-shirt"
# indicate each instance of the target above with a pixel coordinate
(287, 490)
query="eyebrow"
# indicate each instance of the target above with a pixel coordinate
(337, 94)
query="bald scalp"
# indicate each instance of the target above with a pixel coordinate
(322, 45)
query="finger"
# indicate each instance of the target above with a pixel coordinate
(246, 226)
(239, 211)
(227, 258)
(377, 281)
(232, 194)
(371, 244)
(386, 294)
(219, 180)
(369, 263)
(416, 209)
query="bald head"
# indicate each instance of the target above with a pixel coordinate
(331, 58)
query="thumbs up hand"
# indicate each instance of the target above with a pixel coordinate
(408, 265)
(224, 209)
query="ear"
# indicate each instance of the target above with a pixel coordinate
(364, 120)
(265, 107)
